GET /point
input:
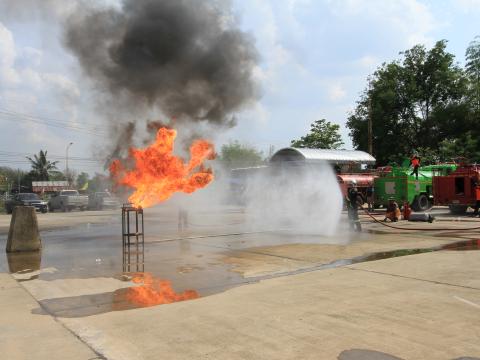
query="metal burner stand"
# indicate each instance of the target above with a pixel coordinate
(132, 238)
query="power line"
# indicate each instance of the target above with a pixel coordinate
(46, 118)
(13, 116)
(13, 158)
(4, 153)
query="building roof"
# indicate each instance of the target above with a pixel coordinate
(316, 155)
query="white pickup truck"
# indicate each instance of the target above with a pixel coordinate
(66, 200)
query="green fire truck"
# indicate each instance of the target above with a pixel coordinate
(397, 183)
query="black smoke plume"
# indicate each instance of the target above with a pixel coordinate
(182, 57)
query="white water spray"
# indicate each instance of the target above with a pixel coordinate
(304, 198)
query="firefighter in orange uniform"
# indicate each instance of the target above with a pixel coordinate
(393, 211)
(477, 199)
(415, 162)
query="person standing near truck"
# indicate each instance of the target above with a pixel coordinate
(415, 162)
(370, 200)
(352, 207)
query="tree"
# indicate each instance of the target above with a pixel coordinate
(414, 103)
(41, 167)
(236, 155)
(82, 180)
(99, 182)
(14, 179)
(466, 146)
(472, 68)
(323, 135)
(56, 175)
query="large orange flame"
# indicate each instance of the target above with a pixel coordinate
(155, 292)
(158, 173)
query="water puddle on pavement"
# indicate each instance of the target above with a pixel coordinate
(463, 245)
(458, 246)
(175, 271)
(149, 291)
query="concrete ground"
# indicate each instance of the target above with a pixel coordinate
(59, 220)
(264, 293)
(24, 335)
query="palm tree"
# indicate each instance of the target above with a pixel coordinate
(41, 167)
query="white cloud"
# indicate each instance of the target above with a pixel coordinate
(368, 61)
(25, 88)
(258, 113)
(411, 20)
(31, 56)
(336, 92)
(468, 5)
(63, 86)
(26, 10)
(8, 75)
(278, 62)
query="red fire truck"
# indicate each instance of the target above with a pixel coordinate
(457, 190)
(363, 182)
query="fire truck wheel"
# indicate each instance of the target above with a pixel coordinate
(458, 209)
(421, 203)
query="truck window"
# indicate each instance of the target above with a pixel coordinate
(459, 185)
(28, 197)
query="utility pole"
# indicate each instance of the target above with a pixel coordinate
(66, 162)
(370, 127)
(271, 149)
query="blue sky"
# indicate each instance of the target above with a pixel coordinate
(315, 57)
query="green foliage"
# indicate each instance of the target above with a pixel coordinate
(429, 156)
(41, 167)
(415, 103)
(14, 179)
(82, 179)
(99, 183)
(236, 155)
(10, 178)
(465, 146)
(56, 175)
(323, 135)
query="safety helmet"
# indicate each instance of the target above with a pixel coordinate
(354, 182)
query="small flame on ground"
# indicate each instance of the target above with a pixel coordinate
(155, 292)
(158, 173)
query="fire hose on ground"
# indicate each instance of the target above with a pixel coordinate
(417, 229)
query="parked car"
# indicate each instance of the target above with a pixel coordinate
(67, 200)
(101, 200)
(26, 199)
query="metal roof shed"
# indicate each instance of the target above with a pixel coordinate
(291, 154)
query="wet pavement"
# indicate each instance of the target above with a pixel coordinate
(364, 354)
(194, 262)
(191, 260)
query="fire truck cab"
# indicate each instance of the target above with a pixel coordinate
(457, 190)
